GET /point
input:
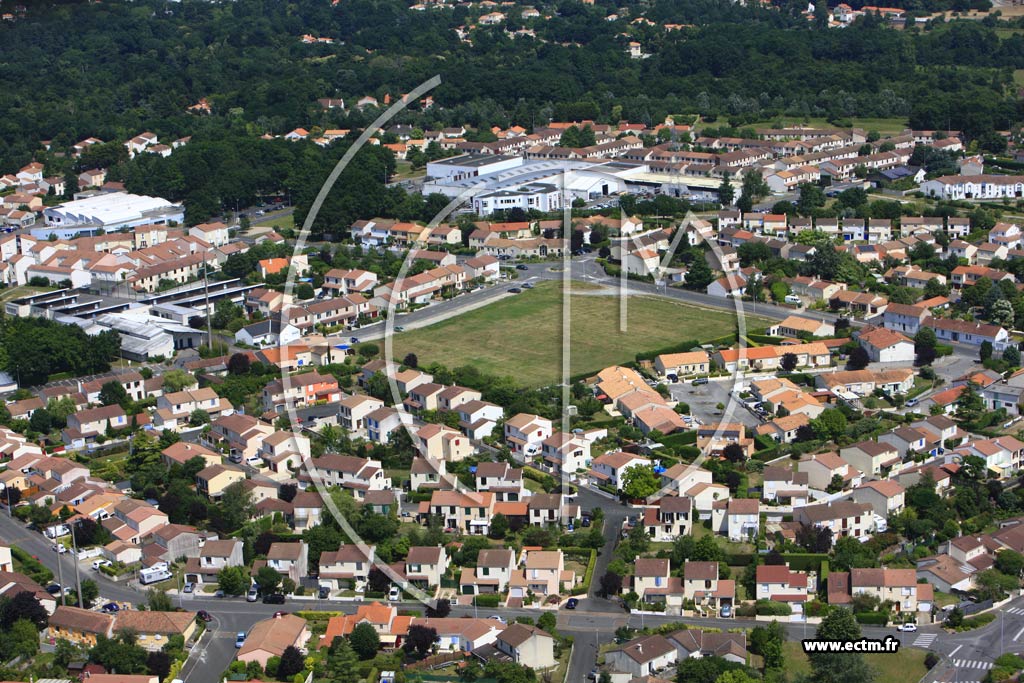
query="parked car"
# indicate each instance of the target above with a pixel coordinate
(353, 340)
(497, 618)
(571, 603)
(699, 381)
(53, 589)
(399, 328)
(324, 592)
(515, 290)
(273, 599)
(240, 639)
(726, 611)
(189, 587)
(111, 608)
(59, 549)
(909, 628)
(253, 594)
(204, 616)
(522, 266)
(395, 593)
(527, 285)
(101, 563)
(279, 613)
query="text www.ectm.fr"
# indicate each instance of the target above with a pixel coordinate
(889, 644)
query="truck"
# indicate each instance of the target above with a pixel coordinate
(56, 531)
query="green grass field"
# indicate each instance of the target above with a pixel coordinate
(521, 336)
(905, 666)
(883, 126)
(278, 222)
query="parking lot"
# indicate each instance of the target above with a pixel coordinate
(704, 399)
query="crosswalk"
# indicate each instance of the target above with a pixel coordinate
(1015, 610)
(925, 639)
(971, 664)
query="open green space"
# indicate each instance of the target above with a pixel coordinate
(286, 222)
(521, 336)
(905, 666)
(889, 126)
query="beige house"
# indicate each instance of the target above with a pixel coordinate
(289, 559)
(468, 512)
(271, 637)
(354, 409)
(439, 442)
(527, 646)
(492, 574)
(843, 518)
(79, 626)
(155, 628)
(349, 564)
(214, 556)
(896, 585)
(182, 451)
(212, 480)
(425, 566)
(681, 365)
(544, 573)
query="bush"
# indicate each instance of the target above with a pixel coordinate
(770, 608)
(746, 610)
(487, 600)
(931, 659)
(971, 623)
(872, 618)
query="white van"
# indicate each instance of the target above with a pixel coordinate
(793, 299)
(153, 575)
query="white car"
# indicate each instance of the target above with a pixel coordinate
(59, 549)
(101, 563)
(910, 628)
(395, 594)
(253, 594)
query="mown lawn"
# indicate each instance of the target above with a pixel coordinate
(905, 666)
(883, 126)
(521, 336)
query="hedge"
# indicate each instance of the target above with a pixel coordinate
(764, 339)
(976, 622)
(679, 439)
(31, 567)
(487, 600)
(681, 347)
(772, 608)
(804, 562)
(739, 559)
(746, 610)
(588, 576)
(872, 618)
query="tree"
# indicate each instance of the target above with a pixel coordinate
(1010, 562)
(304, 291)
(815, 539)
(858, 359)
(292, 661)
(236, 507)
(955, 617)
(269, 579)
(176, 380)
(439, 610)
(970, 405)
(113, 393)
(611, 583)
(199, 417)
(364, 641)
(159, 601)
(158, 664)
(499, 526)
(924, 346)
(699, 275)
(23, 605)
(734, 453)
(836, 484)
(121, 653)
(828, 667)
(789, 362)
(985, 352)
(90, 593)
(811, 197)
(831, 424)
(378, 581)
(1011, 354)
(639, 482)
(20, 640)
(239, 364)
(726, 192)
(736, 676)
(233, 580)
(411, 361)
(420, 640)
(548, 623)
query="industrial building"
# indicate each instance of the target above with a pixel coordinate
(103, 212)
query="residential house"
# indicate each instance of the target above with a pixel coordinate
(642, 656)
(425, 566)
(610, 469)
(680, 365)
(781, 584)
(505, 481)
(348, 565)
(492, 573)
(742, 519)
(214, 556)
(211, 481)
(897, 586)
(271, 637)
(671, 518)
(873, 458)
(79, 626)
(289, 559)
(784, 485)
(842, 518)
(822, 468)
(886, 497)
(885, 346)
(527, 646)
(525, 434)
(154, 629)
(468, 512)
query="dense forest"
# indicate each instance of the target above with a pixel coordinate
(112, 70)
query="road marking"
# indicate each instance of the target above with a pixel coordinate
(971, 664)
(1017, 637)
(955, 650)
(925, 639)
(1015, 610)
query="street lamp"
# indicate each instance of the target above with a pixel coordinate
(78, 578)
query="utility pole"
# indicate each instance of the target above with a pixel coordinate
(78, 578)
(60, 577)
(209, 313)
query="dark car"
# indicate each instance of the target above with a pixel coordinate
(273, 599)
(586, 521)
(515, 290)
(571, 603)
(325, 592)
(53, 589)
(522, 266)
(204, 616)
(111, 607)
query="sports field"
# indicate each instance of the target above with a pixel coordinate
(521, 336)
